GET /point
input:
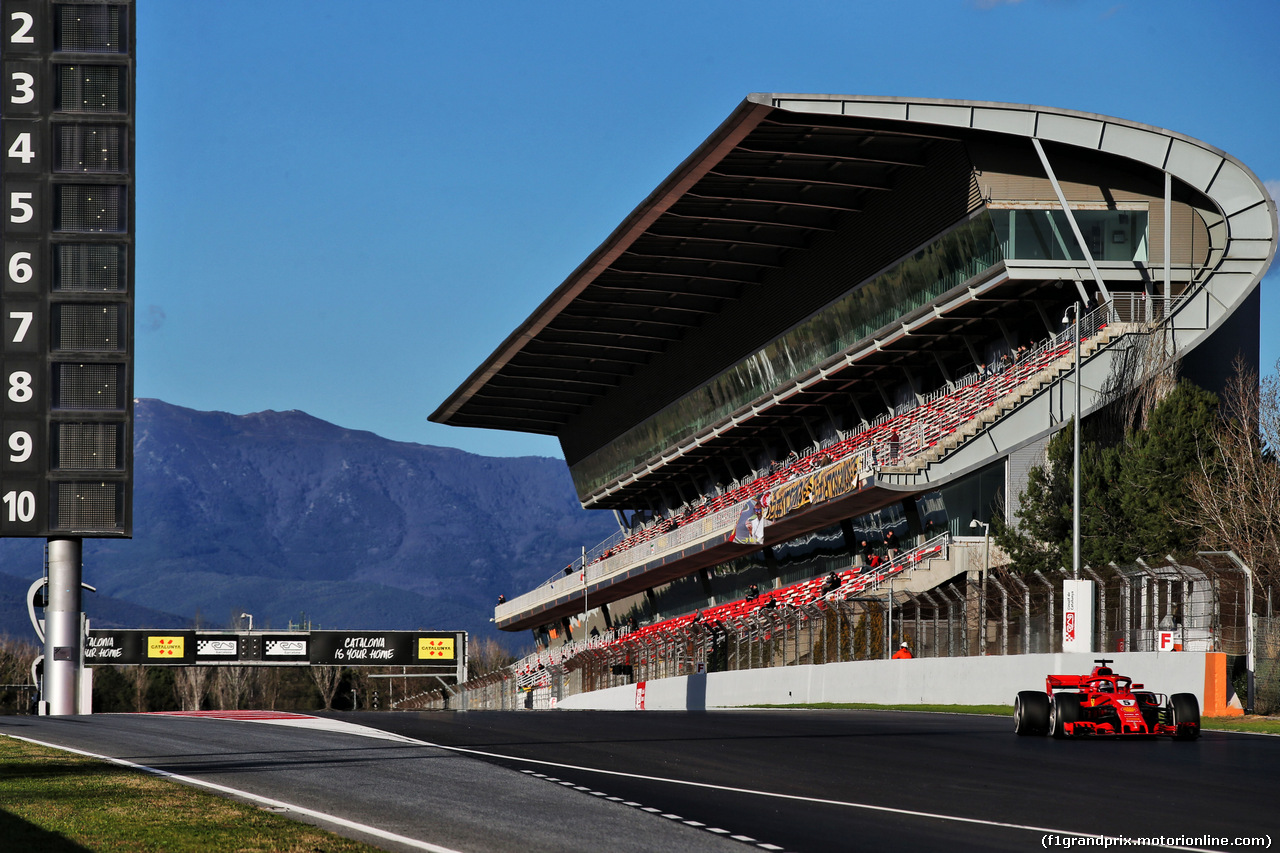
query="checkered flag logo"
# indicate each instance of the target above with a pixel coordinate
(222, 648)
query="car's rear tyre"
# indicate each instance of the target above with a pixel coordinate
(1186, 715)
(1031, 713)
(1066, 709)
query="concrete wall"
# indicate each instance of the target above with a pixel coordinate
(922, 681)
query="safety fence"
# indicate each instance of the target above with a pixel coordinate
(1267, 665)
(1193, 604)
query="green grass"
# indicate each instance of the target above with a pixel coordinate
(997, 710)
(1259, 725)
(58, 802)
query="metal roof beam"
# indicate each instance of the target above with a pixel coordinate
(616, 270)
(703, 257)
(601, 340)
(541, 349)
(614, 327)
(773, 194)
(814, 120)
(635, 318)
(739, 220)
(797, 179)
(839, 154)
(596, 299)
(718, 289)
(750, 238)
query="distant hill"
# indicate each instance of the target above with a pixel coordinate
(280, 514)
(103, 610)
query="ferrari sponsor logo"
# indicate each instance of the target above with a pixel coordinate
(165, 647)
(435, 648)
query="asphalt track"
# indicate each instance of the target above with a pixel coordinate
(775, 780)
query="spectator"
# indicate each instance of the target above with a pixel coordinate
(864, 552)
(832, 583)
(891, 544)
(903, 653)
(502, 599)
(753, 592)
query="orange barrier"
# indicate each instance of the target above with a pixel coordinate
(1219, 697)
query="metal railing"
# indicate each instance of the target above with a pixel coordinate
(940, 414)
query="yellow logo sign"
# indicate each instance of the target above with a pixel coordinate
(435, 648)
(164, 647)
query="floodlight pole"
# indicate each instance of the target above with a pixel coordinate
(1075, 457)
(982, 587)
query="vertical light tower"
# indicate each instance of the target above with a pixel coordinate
(66, 296)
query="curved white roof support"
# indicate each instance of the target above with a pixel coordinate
(1242, 242)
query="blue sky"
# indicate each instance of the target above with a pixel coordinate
(345, 207)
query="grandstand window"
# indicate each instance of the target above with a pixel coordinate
(1045, 235)
(956, 256)
(979, 495)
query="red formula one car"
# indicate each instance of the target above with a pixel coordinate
(1103, 703)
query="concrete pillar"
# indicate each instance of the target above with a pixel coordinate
(62, 629)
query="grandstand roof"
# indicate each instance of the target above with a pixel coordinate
(777, 174)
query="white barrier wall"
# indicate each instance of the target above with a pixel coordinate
(922, 681)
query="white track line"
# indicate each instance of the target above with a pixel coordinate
(371, 732)
(1042, 830)
(266, 801)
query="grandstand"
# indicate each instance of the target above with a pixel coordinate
(836, 336)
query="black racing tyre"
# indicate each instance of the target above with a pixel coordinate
(1031, 713)
(1065, 709)
(1186, 715)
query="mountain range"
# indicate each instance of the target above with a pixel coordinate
(295, 519)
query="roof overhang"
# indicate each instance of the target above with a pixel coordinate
(779, 171)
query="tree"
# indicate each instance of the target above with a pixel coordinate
(1154, 468)
(231, 686)
(1234, 493)
(486, 656)
(189, 686)
(326, 679)
(1133, 490)
(1042, 537)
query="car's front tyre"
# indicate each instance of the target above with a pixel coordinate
(1185, 716)
(1065, 709)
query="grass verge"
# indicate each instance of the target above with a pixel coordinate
(1259, 725)
(58, 802)
(997, 710)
